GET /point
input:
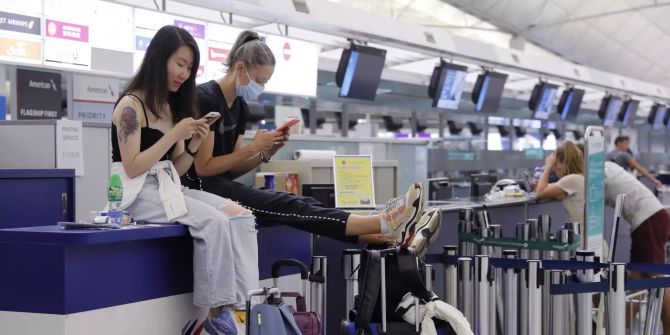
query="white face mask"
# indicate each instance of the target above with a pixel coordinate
(251, 91)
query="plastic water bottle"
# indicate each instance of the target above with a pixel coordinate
(114, 198)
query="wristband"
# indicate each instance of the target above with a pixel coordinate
(188, 151)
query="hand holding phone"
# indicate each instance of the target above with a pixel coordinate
(211, 117)
(290, 122)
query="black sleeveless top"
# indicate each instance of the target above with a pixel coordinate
(149, 137)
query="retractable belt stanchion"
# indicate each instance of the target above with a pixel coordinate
(584, 303)
(482, 295)
(616, 300)
(465, 280)
(523, 233)
(320, 265)
(534, 231)
(654, 304)
(567, 236)
(546, 296)
(495, 285)
(450, 278)
(510, 289)
(557, 319)
(465, 225)
(429, 287)
(534, 297)
(351, 260)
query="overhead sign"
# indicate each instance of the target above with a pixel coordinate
(297, 66)
(196, 30)
(38, 95)
(112, 27)
(70, 146)
(66, 44)
(94, 98)
(354, 185)
(217, 56)
(19, 50)
(20, 23)
(68, 31)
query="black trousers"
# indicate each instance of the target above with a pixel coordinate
(299, 212)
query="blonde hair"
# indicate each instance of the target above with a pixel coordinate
(570, 155)
(250, 49)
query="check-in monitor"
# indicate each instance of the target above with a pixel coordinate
(359, 72)
(446, 85)
(487, 91)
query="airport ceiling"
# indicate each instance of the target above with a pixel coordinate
(629, 37)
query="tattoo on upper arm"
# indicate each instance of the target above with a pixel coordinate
(129, 124)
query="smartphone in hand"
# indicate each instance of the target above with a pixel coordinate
(290, 122)
(211, 117)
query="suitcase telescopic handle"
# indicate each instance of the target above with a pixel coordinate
(304, 274)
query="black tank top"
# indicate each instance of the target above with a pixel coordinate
(149, 137)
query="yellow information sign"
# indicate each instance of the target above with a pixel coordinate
(354, 185)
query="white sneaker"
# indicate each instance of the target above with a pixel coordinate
(426, 231)
(402, 213)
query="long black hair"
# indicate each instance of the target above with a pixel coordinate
(151, 78)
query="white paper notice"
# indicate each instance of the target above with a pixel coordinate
(70, 146)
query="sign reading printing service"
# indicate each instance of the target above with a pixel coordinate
(70, 146)
(595, 193)
(354, 184)
(94, 98)
(38, 95)
(20, 23)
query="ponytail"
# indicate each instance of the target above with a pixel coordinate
(570, 155)
(251, 50)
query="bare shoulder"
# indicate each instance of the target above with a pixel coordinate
(128, 107)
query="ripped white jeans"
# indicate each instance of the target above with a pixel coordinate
(225, 246)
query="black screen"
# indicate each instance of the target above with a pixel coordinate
(447, 85)
(569, 104)
(628, 109)
(488, 91)
(360, 71)
(542, 100)
(609, 110)
(324, 193)
(657, 116)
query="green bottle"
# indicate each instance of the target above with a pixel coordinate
(114, 198)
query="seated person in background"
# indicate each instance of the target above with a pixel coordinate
(568, 163)
(224, 157)
(622, 155)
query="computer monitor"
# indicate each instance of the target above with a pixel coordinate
(446, 85)
(628, 109)
(324, 193)
(359, 72)
(480, 184)
(439, 189)
(609, 110)
(657, 116)
(542, 100)
(487, 91)
(568, 105)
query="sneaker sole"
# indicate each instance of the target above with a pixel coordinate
(428, 232)
(410, 228)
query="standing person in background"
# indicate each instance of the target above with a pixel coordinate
(623, 156)
(152, 119)
(223, 157)
(568, 163)
(649, 223)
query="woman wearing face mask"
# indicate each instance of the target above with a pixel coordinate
(223, 157)
(568, 164)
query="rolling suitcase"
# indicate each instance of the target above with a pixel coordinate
(309, 322)
(270, 318)
(371, 315)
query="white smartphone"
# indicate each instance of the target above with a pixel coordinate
(212, 116)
